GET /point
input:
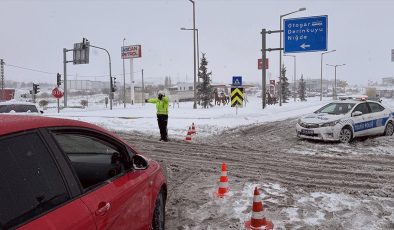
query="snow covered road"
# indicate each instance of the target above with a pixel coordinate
(307, 185)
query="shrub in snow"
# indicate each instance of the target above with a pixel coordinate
(84, 103)
(43, 104)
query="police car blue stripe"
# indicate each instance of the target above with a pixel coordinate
(370, 124)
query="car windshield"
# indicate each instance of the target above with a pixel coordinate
(18, 108)
(336, 108)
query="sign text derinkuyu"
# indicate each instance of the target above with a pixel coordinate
(305, 34)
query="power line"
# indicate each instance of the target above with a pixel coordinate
(25, 68)
(71, 75)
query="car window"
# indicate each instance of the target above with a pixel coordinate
(336, 108)
(30, 181)
(93, 160)
(375, 107)
(18, 108)
(363, 107)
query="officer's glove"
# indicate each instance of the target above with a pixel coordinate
(146, 100)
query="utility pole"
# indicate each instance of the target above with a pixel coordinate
(143, 88)
(124, 78)
(2, 79)
(263, 70)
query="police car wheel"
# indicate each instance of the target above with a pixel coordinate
(389, 129)
(345, 136)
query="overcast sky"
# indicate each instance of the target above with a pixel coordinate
(34, 33)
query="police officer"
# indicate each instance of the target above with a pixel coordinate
(162, 113)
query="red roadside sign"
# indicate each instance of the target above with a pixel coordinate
(260, 63)
(56, 92)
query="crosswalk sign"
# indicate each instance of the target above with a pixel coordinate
(237, 81)
(237, 97)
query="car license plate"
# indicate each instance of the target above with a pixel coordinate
(307, 132)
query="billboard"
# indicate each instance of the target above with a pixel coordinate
(133, 51)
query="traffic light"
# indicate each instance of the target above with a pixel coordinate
(35, 88)
(114, 84)
(59, 79)
(84, 43)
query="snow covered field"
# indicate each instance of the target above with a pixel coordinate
(142, 119)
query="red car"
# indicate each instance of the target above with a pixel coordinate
(66, 174)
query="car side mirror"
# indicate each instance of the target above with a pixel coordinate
(357, 113)
(139, 163)
(41, 111)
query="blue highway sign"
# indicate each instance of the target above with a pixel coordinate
(305, 34)
(237, 81)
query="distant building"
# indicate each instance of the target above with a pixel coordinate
(182, 91)
(87, 85)
(388, 81)
(181, 86)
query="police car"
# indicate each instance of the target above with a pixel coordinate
(346, 119)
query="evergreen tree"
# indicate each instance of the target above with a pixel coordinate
(301, 89)
(285, 85)
(204, 89)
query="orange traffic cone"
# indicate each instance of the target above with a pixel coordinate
(223, 183)
(193, 129)
(258, 221)
(189, 135)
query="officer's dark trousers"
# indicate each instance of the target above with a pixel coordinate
(162, 120)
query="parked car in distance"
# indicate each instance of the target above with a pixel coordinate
(19, 107)
(66, 174)
(346, 119)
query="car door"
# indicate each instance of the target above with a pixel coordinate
(33, 191)
(363, 123)
(380, 116)
(117, 196)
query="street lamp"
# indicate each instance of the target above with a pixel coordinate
(335, 80)
(295, 74)
(124, 78)
(280, 51)
(321, 72)
(198, 51)
(194, 51)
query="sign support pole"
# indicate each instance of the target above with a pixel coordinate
(58, 105)
(131, 81)
(143, 88)
(65, 76)
(263, 70)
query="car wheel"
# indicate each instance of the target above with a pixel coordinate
(346, 135)
(158, 221)
(389, 129)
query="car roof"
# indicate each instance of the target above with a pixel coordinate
(354, 101)
(10, 123)
(12, 102)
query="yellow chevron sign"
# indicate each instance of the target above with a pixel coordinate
(237, 97)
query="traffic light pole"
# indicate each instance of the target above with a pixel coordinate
(65, 74)
(263, 56)
(111, 94)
